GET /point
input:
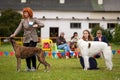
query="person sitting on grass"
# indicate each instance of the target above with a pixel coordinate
(93, 63)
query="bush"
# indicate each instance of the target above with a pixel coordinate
(9, 20)
(116, 38)
(94, 30)
(4, 31)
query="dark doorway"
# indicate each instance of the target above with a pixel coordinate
(54, 33)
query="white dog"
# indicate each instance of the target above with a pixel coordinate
(90, 48)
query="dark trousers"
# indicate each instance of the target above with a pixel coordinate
(32, 58)
(92, 62)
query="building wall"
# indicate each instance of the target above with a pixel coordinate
(65, 18)
(64, 26)
(81, 15)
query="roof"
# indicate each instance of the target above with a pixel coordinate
(69, 5)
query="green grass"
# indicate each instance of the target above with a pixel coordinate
(61, 69)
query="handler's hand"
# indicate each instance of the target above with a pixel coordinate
(12, 35)
(35, 25)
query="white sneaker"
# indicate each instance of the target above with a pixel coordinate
(27, 69)
(67, 57)
(33, 69)
(71, 51)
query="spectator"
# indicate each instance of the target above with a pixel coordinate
(74, 38)
(29, 25)
(73, 43)
(62, 44)
(93, 63)
(101, 38)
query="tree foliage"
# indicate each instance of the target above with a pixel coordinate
(105, 32)
(9, 20)
(117, 34)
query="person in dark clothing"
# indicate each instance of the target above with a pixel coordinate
(101, 38)
(62, 44)
(92, 61)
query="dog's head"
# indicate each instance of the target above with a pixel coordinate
(12, 40)
(80, 41)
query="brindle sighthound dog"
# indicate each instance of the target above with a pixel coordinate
(22, 52)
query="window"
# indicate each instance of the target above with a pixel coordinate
(100, 2)
(23, 1)
(92, 25)
(111, 25)
(62, 1)
(75, 25)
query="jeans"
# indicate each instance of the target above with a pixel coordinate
(65, 47)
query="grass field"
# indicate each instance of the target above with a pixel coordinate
(61, 69)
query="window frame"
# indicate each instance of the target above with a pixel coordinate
(75, 25)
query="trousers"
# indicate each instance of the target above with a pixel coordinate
(32, 58)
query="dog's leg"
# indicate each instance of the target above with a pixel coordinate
(41, 59)
(86, 62)
(108, 58)
(108, 64)
(46, 65)
(18, 64)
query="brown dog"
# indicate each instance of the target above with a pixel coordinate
(22, 52)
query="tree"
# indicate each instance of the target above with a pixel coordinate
(117, 34)
(9, 20)
(94, 30)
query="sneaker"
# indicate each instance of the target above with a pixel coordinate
(71, 52)
(27, 69)
(33, 69)
(67, 57)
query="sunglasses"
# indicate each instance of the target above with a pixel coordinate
(98, 33)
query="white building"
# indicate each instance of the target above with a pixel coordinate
(70, 16)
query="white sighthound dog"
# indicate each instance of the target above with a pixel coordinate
(90, 48)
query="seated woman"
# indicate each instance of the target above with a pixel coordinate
(93, 63)
(73, 42)
(101, 38)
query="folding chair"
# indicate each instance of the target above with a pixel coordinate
(47, 44)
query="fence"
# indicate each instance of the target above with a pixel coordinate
(19, 40)
(4, 40)
(53, 52)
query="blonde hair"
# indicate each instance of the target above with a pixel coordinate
(99, 31)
